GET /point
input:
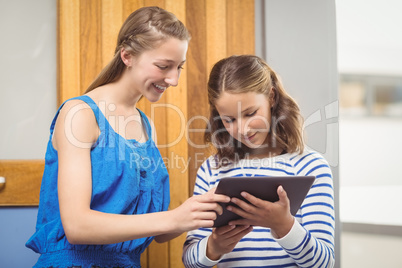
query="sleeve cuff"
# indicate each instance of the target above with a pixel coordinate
(294, 237)
(202, 253)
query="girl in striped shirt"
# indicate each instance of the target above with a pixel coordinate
(256, 128)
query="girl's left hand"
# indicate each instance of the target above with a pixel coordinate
(274, 215)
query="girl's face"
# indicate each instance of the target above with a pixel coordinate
(246, 116)
(153, 71)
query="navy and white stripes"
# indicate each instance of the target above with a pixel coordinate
(310, 243)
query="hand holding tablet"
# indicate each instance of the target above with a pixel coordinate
(264, 188)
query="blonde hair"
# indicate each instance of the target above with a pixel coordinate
(249, 73)
(143, 30)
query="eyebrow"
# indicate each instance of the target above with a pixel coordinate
(247, 109)
(169, 60)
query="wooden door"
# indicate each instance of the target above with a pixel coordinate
(87, 33)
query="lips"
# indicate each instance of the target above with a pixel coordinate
(159, 88)
(250, 137)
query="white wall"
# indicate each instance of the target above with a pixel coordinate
(298, 40)
(370, 42)
(370, 39)
(28, 77)
(27, 105)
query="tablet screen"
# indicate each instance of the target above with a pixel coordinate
(264, 188)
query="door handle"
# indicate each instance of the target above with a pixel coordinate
(2, 182)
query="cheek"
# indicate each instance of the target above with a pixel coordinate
(260, 123)
(266, 121)
(263, 125)
(149, 72)
(232, 130)
(229, 128)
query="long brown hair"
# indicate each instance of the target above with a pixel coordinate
(144, 29)
(249, 73)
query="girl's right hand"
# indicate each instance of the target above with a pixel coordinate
(199, 211)
(224, 239)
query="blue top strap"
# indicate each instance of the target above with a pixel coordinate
(100, 118)
(147, 124)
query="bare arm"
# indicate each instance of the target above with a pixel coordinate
(75, 132)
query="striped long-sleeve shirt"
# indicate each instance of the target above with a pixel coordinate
(310, 242)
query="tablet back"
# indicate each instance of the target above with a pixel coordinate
(264, 188)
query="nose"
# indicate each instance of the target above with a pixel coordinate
(243, 127)
(172, 77)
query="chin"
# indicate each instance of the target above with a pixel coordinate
(153, 97)
(255, 143)
(249, 144)
(254, 146)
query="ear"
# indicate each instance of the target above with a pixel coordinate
(126, 57)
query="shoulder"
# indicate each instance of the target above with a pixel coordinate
(207, 169)
(206, 176)
(76, 112)
(307, 155)
(310, 162)
(210, 164)
(74, 107)
(211, 168)
(76, 123)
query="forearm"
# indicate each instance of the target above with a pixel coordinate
(306, 249)
(194, 253)
(85, 226)
(311, 239)
(166, 237)
(94, 227)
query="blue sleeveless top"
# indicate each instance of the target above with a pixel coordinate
(128, 177)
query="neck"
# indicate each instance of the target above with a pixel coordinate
(264, 152)
(124, 94)
(117, 94)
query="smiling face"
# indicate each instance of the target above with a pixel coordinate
(246, 117)
(153, 71)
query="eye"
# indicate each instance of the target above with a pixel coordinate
(228, 120)
(252, 114)
(162, 67)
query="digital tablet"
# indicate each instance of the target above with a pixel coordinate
(264, 188)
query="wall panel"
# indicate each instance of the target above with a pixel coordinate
(90, 41)
(112, 18)
(197, 71)
(68, 54)
(240, 32)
